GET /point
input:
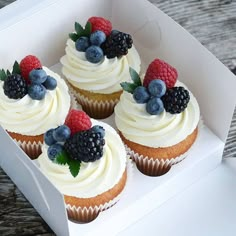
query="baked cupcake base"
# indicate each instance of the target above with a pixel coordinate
(84, 210)
(31, 145)
(158, 161)
(96, 105)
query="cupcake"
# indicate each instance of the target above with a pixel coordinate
(86, 161)
(161, 122)
(97, 60)
(32, 100)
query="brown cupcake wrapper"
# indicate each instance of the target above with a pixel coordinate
(94, 108)
(33, 150)
(88, 214)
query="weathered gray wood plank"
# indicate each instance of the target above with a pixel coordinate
(213, 23)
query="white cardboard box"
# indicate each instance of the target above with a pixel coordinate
(42, 30)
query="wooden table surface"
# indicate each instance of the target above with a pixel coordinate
(213, 23)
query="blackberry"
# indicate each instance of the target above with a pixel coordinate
(175, 99)
(86, 146)
(117, 44)
(15, 86)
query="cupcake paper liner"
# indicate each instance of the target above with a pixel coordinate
(156, 167)
(88, 214)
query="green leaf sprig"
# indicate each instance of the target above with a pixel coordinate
(15, 70)
(74, 165)
(80, 31)
(130, 87)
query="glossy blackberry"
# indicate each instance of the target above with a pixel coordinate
(86, 146)
(175, 100)
(117, 44)
(15, 86)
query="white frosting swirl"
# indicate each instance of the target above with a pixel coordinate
(103, 77)
(94, 177)
(162, 130)
(33, 117)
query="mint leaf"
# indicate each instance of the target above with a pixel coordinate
(8, 72)
(73, 36)
(78, 28)
(16, 68)
(87, 29)
(74, 166)
(62, 158)
(3, 75)
(135, 77)
(128, 87)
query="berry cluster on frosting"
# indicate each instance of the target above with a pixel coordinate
(75, 141)
(158, 90)
(28, 77)
(97, 39)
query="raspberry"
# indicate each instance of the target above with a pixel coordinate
(27, 64)
(100, 23)
(78, 121)
(159, 69)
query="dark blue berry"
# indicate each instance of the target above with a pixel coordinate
(141, 94)
(155, 106)
(50, 83)
(61, 133)
(157, 88)
(48, 137)
(82, 44)
(54, 150)
(97, 37)
(37, 76)
(94, 54)
(99, 129)
(36, 91)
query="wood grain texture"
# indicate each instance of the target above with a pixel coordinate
(213, 23)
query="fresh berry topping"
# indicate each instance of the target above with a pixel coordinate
(141, 94)
(94, 54)
(157, 88)
(86, 146)
(36, 91)
(27, 64)
(54, 150)
(48, 137)
(154, 106)
(15, 86)
(100, 23)
(78, 121)
(117, 44)
(61, 133)
(99, 129)
(37, 76)
(176, 100)
(50, 83)
(97, 38)
(159, 69)
(82, 44)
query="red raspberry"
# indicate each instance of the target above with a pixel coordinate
(78, 121)
(100, 23)
(159, 69)
(27, 64)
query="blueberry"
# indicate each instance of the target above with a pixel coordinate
(97, 38)
(157, 88)
(141, 94)
(36, 91)
(48, 137)
(50, 83)
(99, 129)
(54, 150)
(82, 44)
(94, 54)
(155, 106)
(61, 133)
(37, 76)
